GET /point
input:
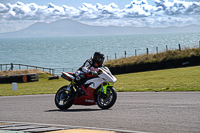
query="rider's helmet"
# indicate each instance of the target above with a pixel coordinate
(98, 58)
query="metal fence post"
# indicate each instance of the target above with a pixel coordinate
(157, 50)
(135, 52)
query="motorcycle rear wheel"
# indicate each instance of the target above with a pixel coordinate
(63, 98)
(108, 100)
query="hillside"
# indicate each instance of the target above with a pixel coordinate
(67, 27)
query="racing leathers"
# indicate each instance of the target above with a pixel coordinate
(80, 74)
(86, 68)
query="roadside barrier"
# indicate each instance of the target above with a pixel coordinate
(19, 78)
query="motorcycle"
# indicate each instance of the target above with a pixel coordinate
(98, 90)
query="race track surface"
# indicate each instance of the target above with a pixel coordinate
(158, 112)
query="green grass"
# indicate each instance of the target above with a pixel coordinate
(179, 79)
(43, 86)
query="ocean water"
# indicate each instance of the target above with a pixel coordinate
(71, 52)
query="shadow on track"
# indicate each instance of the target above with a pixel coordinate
(72, 110)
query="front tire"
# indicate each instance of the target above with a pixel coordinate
(108, 100)
(64, 98)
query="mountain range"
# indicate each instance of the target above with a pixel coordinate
(67, 27)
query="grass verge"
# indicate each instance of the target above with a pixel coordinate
(178, 79)
(43, 86)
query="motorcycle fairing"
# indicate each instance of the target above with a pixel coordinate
(94, 82)
(107, 75)
(87, 99)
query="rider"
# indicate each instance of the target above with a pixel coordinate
(88, 67)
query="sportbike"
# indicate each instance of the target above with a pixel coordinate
(98, 90)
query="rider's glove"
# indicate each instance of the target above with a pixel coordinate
(95, 73)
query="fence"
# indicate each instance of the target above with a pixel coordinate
(53, 71)
(7, 67)
(125, 54)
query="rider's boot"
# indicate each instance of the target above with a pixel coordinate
(80, 91)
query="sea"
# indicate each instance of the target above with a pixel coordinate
(69, 53)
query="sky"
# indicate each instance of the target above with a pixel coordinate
(16, 15)
(73, 3)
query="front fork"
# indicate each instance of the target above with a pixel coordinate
(71, 86)
(104, 88)
(103, 91)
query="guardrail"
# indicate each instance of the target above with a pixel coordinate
(53, 71)
(7, 67)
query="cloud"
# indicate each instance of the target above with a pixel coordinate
(136, 13)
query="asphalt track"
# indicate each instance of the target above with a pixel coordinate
(158, 112)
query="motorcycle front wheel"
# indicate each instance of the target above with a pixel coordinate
(64, 98)
(106, 101)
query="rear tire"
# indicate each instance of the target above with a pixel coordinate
(63, 98)
(108, 100)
